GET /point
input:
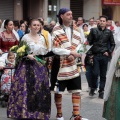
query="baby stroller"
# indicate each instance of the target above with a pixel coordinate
(5, 80)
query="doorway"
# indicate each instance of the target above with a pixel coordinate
(26, 9)
(107, 11)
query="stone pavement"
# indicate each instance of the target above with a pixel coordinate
(91, 107)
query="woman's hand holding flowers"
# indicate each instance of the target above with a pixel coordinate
(31, 57)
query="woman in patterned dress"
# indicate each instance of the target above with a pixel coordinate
(8, 38)
(30, 96)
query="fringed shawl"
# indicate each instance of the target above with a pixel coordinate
(68, 69)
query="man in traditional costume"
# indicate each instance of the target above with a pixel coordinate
(66, 39)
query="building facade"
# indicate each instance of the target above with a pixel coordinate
(95, 8)
(23, 9)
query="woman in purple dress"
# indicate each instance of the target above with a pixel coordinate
(30, 96)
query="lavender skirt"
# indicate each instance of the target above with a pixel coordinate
(30, 96)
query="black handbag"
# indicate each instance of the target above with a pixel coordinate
(89, 58)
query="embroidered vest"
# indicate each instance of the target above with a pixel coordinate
(68, 69)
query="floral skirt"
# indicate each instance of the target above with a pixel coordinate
(111, 110)
(30, 96)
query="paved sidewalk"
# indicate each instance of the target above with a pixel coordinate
(91, 108)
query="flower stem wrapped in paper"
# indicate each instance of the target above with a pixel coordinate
(40, 60)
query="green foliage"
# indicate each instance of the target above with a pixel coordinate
(21, 50)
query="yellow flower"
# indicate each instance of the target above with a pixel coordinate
(13, 47)
(86, 33)
(23, 46)
(20, 50)
(21, 54)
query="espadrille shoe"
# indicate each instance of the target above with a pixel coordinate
(59, 116)
(77, 117)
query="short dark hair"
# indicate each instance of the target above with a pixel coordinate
(16, 23)
(85, 25)
(103, 16)
(21, 21)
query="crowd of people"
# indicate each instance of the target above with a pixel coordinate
(58, 47)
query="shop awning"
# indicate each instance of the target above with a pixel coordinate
(111, 2)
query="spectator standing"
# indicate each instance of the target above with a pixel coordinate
(51, 26)
(91, 24)
(24, 28)
(110, 26)
(80, 22)
(97, 21)
(103, 46)
(46, 35)
(17, 28)
(8, 37)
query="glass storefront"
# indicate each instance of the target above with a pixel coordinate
(53, 6)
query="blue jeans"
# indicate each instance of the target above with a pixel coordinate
(100, 68)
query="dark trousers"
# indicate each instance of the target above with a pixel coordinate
(89, 76)
(100, 68)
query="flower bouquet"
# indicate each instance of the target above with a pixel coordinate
(86, 34)
(14, 48)
(22, 50)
